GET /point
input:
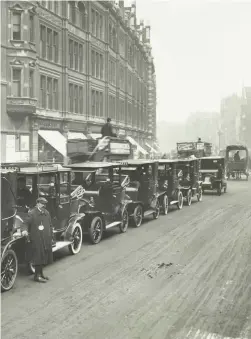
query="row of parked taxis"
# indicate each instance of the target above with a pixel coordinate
(90, 197)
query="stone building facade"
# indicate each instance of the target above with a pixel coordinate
(66, 67)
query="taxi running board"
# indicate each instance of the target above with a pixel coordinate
(60, 245)
(113, 224)
(174, 202)
(149, 212)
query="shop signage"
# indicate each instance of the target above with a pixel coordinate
(119, 148)
(49, 124)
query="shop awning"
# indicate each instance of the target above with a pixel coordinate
(76, 135)
(151, 148)
(139, 148)
(96, 135)
(55, 139)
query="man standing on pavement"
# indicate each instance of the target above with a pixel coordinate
(39, 228)
(106, 130)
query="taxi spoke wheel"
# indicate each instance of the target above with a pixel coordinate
(125, 221)
(157, 210)
(96, 230)
(199, 194)
(189, 197)
(180, 201)
(77, 236)
(138, 216)
(9, 268)
(165, 204)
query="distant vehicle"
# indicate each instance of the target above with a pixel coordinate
(198, 149)
(213, 174)
(237, 161)
(103, 149)
(189, 179)
(169, 189)
(142, 189)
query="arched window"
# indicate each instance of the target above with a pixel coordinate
(82, 14)
(72, 11)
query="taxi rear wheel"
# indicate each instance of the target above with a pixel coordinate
(9, 268)
(125, 221)
(137, 216)
(96, 230)
(157, 210)
(77, 236)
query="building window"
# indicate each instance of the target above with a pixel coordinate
(55, 94)
(97, 65)
(112, 72)
(55, 7)
(48, 93)
(71, 58)
(122, 78)
(75, 56)
(75, 99)
(129, 115)
(130, 83)
(31, 28)
(112, 107)
(49, 44)
(55, 46)
(16, 82)
(31, 84)
(16, 26)
(43, 91)
(81, 58)
(82, 15)
(97, 24)
(97, 103)
(72, 12)
(43, 41)
(81, 100)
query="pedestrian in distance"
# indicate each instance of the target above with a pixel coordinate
(38, 227)
(107, 130)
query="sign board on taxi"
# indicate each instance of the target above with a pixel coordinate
(119, 148)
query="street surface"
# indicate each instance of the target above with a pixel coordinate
(185, 275)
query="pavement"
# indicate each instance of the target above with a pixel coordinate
(185, 275)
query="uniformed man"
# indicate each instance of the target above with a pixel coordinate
(39, 228)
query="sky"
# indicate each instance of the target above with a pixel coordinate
(202, 52)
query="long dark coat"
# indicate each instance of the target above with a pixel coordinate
(40, 240)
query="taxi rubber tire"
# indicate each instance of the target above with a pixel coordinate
(165, 204)
(189, 197)
(94, 222)
(157, 210)
(138, 211)
(180, 197)
(77, 228)
(11, 253)
(125, 221)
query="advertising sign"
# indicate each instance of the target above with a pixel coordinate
(186, 146)
(119, 148)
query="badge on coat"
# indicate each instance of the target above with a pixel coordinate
(41, 227)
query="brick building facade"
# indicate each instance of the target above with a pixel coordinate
(66, 67)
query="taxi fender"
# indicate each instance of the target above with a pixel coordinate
(77, 218)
